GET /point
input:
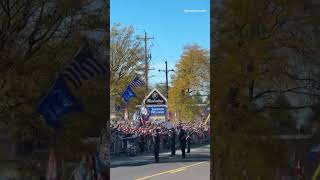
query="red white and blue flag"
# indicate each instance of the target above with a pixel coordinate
(136, 82)
(84, 66)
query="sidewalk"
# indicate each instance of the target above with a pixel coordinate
(149, 157)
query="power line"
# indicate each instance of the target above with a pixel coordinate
(146, 57)
(167, 83)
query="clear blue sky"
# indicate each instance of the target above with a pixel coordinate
(169, 23)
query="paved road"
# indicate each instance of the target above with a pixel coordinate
(195, 167)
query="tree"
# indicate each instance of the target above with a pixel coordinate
(126, 55)
(162, 87)
(192, 75)
(282, 118)
(198, 97)
(256, 43)
(38, 38)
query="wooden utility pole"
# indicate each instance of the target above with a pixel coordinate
(167, 82)
(146, 57)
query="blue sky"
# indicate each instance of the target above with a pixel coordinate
(169, 23)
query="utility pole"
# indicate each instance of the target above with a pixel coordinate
(146, 58)
(167, 83)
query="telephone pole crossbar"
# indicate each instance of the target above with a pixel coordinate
(167, 83)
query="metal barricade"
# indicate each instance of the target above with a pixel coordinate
(130, 147)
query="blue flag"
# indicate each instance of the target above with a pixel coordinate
(128, 94)
(57, 102)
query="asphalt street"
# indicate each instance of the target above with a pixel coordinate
(196, 166)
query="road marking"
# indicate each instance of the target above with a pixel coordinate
(177, 170)
(171, 171)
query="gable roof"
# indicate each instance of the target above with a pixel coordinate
(155, 89)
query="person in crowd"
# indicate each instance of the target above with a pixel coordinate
(145, 134)
(173, 141)
(142, 143)
(182, 139)
(189, 141)
(156, 143)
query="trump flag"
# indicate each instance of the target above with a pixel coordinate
(57, 102)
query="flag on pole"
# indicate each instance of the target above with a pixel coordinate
(58, 102)
(145, 113)
(136, 82)
(126, 114)
(128, 94)
(103, 152)
(207, 119)
(52, 166)
(84, 66)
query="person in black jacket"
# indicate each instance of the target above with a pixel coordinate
(156, 142)
(188, 142)
(142, 144)
(182, 139)
(173, 141)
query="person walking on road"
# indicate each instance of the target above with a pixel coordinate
(182, 139)
(173, 141)
(188, 142)
(156, 142)
(142, 144)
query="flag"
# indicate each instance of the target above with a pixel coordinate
(145, 113)
(57, 102)
(136, 82)
(84, 66)
(128, 94)
(52, 166)
(126, 114)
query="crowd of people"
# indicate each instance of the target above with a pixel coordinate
(131, 139)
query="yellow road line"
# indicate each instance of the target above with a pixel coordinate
(177, 170)
(171, 171)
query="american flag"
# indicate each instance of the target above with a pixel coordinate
(84, 66)
(136, 82)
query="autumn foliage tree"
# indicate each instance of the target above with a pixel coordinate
(37, 39)
(192, 75)
(259, 50)
(126, 61)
